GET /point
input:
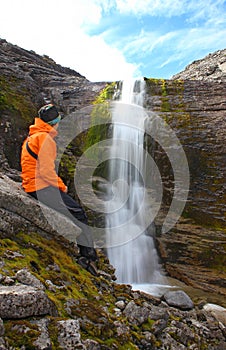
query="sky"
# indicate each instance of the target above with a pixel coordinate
(109, 40)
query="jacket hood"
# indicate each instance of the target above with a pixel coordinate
(41, 126)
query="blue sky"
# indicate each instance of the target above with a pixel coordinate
(107, 40)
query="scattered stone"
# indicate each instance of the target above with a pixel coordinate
(117, 311)
(53, 267)
(43, 342)
(178, 299)
(25, 277)
(8, 281)
(91, 344)
(9, 254)
(120, 304)
(69, 335)
(136, 314)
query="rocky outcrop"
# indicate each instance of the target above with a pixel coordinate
(20, 211)
(210, 68)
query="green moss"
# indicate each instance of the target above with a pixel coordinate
(15, 98)
(67, 165)
(38, 254)
(21, 333)
(106, 94)
(100, 121)
(148, 325)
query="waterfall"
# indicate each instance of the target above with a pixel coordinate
(131, 247)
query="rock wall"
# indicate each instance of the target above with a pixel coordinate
(196, 112)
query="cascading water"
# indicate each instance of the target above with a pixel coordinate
(130, 248)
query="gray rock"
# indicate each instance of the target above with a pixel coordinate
(91, 344)
(217, 311)
(120, 304)
(69, 335)
(20, 301)
(43, 342)
(211, 67)
(136, 314)
(25, 277)
(178, 299)
(14, 200)
(2, 329)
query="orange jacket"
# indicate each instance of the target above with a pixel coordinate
(40, 173)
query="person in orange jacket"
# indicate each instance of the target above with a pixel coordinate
(40, 180)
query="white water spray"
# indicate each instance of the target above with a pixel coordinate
(131, 249)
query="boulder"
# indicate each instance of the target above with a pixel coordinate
(22, 211)
(21, 301)
(217, 311)
(178, 299)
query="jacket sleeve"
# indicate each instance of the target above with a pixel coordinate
(46, 162)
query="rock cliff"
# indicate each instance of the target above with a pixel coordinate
(210, 68)
(194, 107)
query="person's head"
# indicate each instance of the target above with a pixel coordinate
(49, 114)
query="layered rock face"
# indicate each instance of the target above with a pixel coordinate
(194, 250)
(211, 68)
(196, 113)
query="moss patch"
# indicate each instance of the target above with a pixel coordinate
(15, 98)
(21, 333)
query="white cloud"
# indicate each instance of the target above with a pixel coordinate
(209, 11)
(56, 28)
(191, 44)
(151, 7)
(59, 29)
(146, 42)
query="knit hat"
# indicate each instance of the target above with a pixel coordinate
(49, 114)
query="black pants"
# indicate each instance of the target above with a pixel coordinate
(66, 205)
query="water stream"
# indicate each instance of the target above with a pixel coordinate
(131, 248)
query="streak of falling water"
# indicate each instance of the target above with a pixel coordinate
(130, 249)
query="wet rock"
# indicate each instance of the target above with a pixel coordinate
(179, 299)
(21, 301)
